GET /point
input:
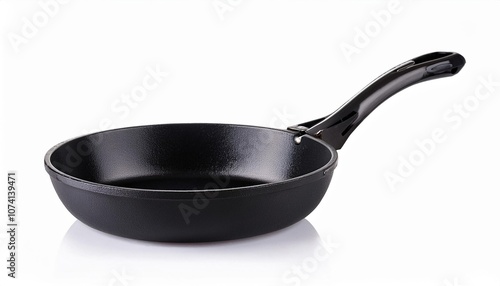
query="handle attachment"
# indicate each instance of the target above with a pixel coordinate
(336, 127)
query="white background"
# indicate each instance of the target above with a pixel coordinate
(268, 63)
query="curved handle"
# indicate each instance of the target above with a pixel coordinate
(336, 127)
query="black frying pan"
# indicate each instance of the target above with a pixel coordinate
(208, 182)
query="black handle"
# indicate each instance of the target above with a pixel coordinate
(336, 127)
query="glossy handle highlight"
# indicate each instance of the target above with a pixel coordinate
(336, 127)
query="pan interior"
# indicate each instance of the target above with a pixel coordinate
(189, 157)
(193, 182)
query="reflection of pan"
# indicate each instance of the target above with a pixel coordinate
(202, 182)
(179, 261)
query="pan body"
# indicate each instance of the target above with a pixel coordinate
(190, 182)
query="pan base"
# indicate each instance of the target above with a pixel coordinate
(187, 183)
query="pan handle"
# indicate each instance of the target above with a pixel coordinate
(336, 127)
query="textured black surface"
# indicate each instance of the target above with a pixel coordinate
(190, 182)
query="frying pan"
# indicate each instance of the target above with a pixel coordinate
(209, 182)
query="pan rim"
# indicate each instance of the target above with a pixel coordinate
(221, 193)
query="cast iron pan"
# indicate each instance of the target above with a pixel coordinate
(209, 182)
